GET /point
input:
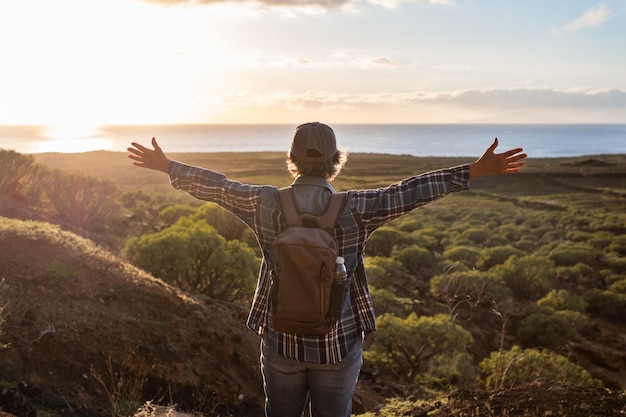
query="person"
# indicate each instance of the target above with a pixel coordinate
(318, 371)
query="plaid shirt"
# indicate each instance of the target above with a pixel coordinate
(365, 211)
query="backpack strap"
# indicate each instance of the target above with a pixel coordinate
(325, 221)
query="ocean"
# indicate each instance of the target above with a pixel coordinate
(539, 141)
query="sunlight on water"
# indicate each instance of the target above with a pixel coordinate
(71, 145)
(72, 139)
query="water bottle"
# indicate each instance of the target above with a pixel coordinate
(341, 274)
(338, 289)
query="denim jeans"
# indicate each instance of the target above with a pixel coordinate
(290, 384)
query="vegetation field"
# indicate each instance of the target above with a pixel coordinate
(505, 300)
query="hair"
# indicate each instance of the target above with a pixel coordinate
(328, 169)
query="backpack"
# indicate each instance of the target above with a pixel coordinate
(302, 280)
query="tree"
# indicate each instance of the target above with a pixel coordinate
(414, 344)
(13, 167)
(80, 200)
(194, 256)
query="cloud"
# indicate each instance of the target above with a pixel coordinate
(483, 98)
(594, 16)
(297, 4)
(395, 3)
(269, 3)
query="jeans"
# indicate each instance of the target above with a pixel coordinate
(289, 384)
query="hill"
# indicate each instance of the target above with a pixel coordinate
(88, 334)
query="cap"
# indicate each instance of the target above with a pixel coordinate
(313, 142)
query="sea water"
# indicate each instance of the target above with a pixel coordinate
(546, 140)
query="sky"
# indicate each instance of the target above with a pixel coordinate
(75, 64)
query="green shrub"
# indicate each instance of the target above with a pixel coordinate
(414, 345)
(429, 239)
(617, 265)
(387, 302)
(607, 304)
(563, 300)
(569, 254)
(491, 257)
(383, 240)
(618, 245)
(221, 220)
(471, 285)
(414, 259)
(383, 272)
(467, 255)
(543, 327)
(192, 255)
(476, 235)
(515, 367)
(618, 286)
(170, 214)
(511, 232)
(579, 274)
(529, 277)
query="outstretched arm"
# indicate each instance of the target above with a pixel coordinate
(149, 158)
(491, 163)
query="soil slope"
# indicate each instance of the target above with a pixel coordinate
(87, 334)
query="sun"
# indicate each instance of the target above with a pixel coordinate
(108, 62)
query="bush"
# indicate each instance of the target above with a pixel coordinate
(579, 274)
(387, 302)
(618, 245)
(382, 242)
(471, 286)
(563, 300)
(383, 272)
(543, 327)
(171, 214)
(529, 277)
(222, 220)
(510, 369)
(569, 254)
(414, 345)
(476, 235)
(192, 255)
(429, 239)
(414, 259)
(511, 232)
(491, 257)
(619, 286)
(467, 255)
(607, 304)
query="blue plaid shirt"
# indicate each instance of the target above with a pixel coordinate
(365, 211)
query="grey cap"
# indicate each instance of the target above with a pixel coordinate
(313, 142)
